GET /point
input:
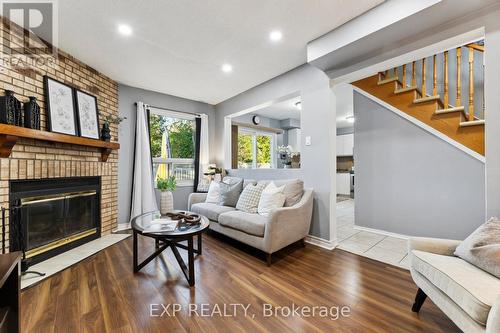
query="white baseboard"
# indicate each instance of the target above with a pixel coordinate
(321, 242)
(381, 232)
(121, 227)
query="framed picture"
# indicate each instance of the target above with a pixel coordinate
(88, 115)
(60, 105)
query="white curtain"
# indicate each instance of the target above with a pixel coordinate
(204, 152)
(143, 193)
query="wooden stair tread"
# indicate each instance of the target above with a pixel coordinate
(389, 80)
(403, 90)
(426, 99)
(472, 123)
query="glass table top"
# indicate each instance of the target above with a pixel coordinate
(155, 223)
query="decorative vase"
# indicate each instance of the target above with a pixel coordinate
(166, 202)
(10, 109)
(105, 132)
(32, 114)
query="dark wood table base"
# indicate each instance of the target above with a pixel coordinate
(164, 242)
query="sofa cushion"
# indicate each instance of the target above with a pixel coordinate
(471, 288)
(249, 198)
(482, 247)
(230, 193)
(210, 210)
(252, 224)
(294, 189)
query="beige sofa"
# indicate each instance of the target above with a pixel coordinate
(469, 296)
(271, 233)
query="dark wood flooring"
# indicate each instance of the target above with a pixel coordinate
(101, 293)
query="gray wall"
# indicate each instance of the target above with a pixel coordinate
(317, 114)
(409, 181)
(127, 96)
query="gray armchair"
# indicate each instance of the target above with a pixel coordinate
(469, 296)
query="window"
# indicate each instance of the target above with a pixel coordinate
(172, 137)
(256, 149)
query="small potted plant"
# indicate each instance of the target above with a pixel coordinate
(109, 119)
(166, 187)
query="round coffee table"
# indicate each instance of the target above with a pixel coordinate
(147, 225)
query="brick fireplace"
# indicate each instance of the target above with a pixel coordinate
(37, 159)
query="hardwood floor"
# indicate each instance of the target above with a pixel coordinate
(101, 293)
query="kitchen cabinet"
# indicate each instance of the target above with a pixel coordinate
(345, 145)
(344, 183)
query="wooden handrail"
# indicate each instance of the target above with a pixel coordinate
(443, 101)
(471, 83)
(458, 100)
(446, 94)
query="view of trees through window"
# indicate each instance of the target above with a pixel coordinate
(254, 150)
(172, 146)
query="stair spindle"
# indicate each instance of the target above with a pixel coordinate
(404, 76)
(471, 84)
(424, 83)
(414, 74)
(434, 76)
(446, 95)
(458, 101)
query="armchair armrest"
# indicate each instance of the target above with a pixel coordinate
(433, 245)
(195, 198)
(493, 321)
(287, 225)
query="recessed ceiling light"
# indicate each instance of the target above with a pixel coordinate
(298, 105)
(275, 35)
(125, 30)
(350, 119)
(227, 68)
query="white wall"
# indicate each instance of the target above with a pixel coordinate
(127, 96)
(317, 113)
(409, 181)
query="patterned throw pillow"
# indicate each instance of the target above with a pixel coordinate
(249, 198)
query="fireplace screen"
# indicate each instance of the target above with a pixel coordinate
(51, 216)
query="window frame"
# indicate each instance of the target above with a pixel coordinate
(172, 161)
(254, 133)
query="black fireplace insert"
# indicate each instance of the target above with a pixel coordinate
(50, 216)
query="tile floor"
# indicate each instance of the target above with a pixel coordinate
(390, 250)
(68, 258)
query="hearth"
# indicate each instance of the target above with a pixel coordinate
(50, 216)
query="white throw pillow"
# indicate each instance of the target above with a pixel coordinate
(213, 195)
(271, 198)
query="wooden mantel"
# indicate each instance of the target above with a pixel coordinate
(9, 135)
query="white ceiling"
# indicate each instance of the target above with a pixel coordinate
(345, 104)
(282, 110)
(179, 46)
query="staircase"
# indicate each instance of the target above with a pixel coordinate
(406, 89)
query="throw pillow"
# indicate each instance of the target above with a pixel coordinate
(230, 193)
(249, 198)
(482, 247)
(213, 195)
(272, 197)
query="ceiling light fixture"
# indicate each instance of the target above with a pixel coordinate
(350, 119)
(125, 30)
(275, 35)
(298, 105)
(227, 68)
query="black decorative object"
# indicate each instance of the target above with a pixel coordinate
(10, 109)
(32, 114)
(105, 132)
